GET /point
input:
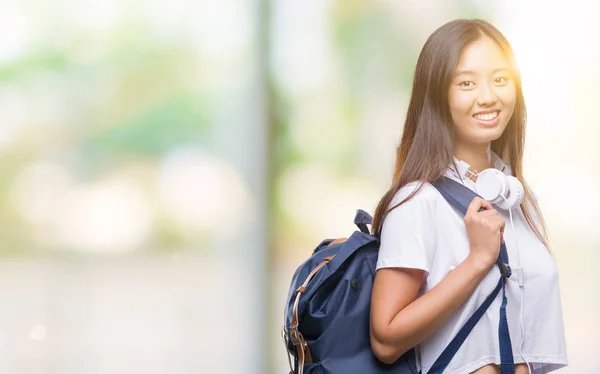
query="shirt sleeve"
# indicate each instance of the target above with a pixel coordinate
(408, 232)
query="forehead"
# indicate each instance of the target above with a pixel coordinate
(482, 55)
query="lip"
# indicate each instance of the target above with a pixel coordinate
(487, 111)
(490, 123)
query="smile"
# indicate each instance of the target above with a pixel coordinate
(490, 119)
(486, 116)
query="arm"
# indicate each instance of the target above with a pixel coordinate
(400, 320)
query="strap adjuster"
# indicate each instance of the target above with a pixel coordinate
(505, 270)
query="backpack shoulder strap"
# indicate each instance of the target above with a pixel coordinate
(460, 197)
(455, 193)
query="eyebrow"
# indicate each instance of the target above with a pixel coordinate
(466, 71)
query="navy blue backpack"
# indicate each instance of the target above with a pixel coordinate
(328, 306)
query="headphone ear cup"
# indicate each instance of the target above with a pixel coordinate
(516, 195)
(491, 184)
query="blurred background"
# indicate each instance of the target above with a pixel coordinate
(165, 166)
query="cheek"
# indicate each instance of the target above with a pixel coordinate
(509, 98)
(460, 104)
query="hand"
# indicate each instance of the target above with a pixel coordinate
(485, 229)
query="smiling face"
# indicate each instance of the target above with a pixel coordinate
(482, 94)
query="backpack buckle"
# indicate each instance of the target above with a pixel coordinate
(505, 270)
(295, 335)
(302, 350)
(287, 350)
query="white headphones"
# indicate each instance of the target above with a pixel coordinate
(505, 191)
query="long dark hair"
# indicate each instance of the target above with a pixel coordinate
(426, 146)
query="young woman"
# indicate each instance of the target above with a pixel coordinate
(466, 117)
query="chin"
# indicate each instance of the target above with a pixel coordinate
(490, 134)
(480, 138)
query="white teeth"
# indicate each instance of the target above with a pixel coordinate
(486, 116)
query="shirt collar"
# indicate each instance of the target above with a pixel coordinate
(462, 167)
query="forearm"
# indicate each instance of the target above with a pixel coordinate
(429, 312)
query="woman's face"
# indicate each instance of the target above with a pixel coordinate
(482, 93)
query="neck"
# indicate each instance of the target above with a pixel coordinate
(478, 157)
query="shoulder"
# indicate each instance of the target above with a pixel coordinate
(424, 194)
(414, 202)
(407, 238)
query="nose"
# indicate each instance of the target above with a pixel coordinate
(486, 96)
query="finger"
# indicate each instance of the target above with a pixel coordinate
(488, 213)
(486, 205)
(477, 204)
(500, 224)
(474, 206)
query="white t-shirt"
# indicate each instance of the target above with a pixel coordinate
(427, 233)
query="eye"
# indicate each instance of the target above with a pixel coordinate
(466, 84)
(501, 80)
